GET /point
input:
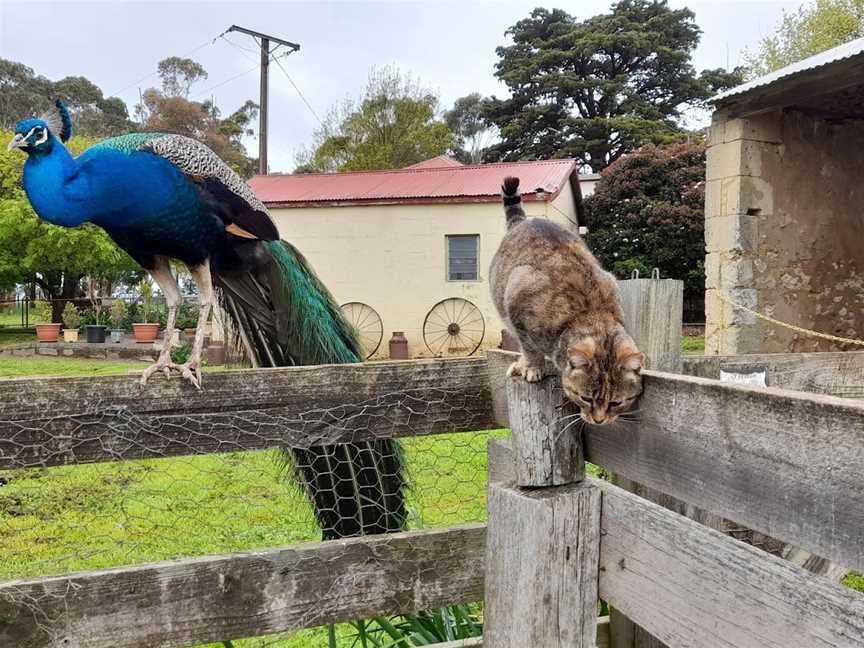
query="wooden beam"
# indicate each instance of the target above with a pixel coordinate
(836, 374)
(216, 598)
(47, 422)
(787, 464)
(542, 560)
(692, 586)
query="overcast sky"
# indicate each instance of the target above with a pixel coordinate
(449, 46)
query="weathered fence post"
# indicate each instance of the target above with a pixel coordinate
(653, 310)
(543, 541)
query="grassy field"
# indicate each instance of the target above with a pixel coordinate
(694, 345)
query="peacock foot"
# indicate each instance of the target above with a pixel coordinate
(190, 370)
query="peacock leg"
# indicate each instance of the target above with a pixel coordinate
(191, 370)
(163, 276)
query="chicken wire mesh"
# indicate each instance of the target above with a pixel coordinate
(85, 516)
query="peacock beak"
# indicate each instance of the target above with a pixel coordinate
(17, 142)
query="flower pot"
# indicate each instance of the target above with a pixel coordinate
(70, 335)
(117, 335)
(145, 333)
(95, 333)
(189, 334)
(48, 332)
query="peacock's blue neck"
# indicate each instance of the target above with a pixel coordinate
(45, 175)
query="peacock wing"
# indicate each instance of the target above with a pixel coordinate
(243, 213)
(231, 198)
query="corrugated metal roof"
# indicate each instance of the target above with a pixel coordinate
(467, 183)
(436, 163)
(839, 53)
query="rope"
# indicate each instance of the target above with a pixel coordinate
(798, 329)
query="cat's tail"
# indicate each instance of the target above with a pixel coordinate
(512, 201)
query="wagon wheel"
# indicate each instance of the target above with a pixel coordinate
(454, 327)
(367, 323)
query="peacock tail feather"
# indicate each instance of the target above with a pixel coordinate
(284, 315)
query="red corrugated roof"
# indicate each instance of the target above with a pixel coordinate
(436, 163)
(467, 183)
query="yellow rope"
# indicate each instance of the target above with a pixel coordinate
(824, 336)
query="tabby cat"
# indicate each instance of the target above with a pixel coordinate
(556, 299)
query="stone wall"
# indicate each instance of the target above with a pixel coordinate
(784, 232)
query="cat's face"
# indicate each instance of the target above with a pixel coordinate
(603, 382)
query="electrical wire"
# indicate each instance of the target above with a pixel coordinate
(308, 105)
(152, 74)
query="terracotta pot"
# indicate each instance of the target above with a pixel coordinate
(48, 332)
(216, 354)
(70, 335)
(145, 333)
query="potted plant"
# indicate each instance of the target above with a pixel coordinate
(95, 328)
(45, 330)
(118, 316)
(72, 320)
(187, 320)
(145, 331)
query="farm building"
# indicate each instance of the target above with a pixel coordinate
(409, 250)
(784, 222)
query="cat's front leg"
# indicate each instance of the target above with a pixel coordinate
(529, 366)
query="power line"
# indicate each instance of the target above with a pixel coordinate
(308, 105)
(152, 74)
(228, 80)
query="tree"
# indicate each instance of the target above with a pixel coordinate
(179, 74)
(471, 132)
(598, 88)
(169, 110)
(23, 93)
(647, 212)
(54, 258)
(812, 28)
(393, 125)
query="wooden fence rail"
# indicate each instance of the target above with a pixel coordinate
(48, 422)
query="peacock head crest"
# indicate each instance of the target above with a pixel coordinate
(37, 134)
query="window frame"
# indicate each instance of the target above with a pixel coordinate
(476, 237)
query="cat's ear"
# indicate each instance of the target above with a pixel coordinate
(582, 354)
(631, 358)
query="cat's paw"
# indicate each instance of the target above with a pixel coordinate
(533, 374)
(515, 370)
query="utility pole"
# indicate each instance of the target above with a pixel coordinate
(264, 41)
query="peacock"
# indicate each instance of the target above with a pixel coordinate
(164, 197)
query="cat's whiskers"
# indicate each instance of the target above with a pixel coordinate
(567, 427)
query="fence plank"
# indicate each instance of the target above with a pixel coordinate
(246, 594)
(692, 586)
(46, 422)
(787, 464)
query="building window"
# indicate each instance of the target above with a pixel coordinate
(462, 257)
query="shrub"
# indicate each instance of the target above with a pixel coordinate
(94, 317)
(42, 312)
(71, 316)
(145, 292)
(118, 313)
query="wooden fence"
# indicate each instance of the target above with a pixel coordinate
(784, 463)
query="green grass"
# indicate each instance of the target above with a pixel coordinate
(694, 344)
(15, 367)
(10, 317)
(11, 339)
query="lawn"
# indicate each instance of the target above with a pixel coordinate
(10, 317)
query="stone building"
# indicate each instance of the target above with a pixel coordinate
(784, 207)
(409, 249)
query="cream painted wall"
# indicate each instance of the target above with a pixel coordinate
(393, 257)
